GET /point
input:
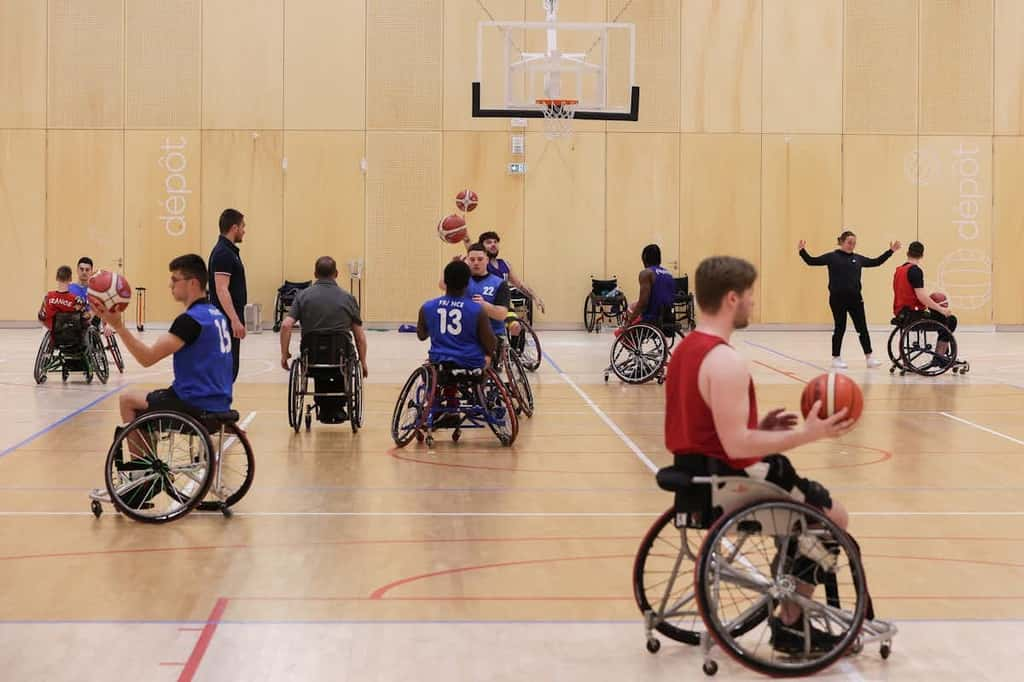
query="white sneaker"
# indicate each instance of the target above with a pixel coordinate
(838, 363)
(872, 362)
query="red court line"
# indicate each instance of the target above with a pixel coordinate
(393, 452)
(204, 641)
(886, 456)
(782, 372)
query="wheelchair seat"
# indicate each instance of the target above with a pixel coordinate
(451, 373)
(220, 418)
(326, 350)
(69, 331)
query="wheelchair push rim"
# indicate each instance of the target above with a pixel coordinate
(236, 468)
(638, 354)
(413, 405)
(296, 394)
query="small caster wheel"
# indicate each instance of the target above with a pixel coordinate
(857, 647)
(505, 441)
(606, 378)
(710, 668)
(884, 651)
(64, 377)
(653, 645)
(430, 441)
(97, 508)
(226, 511)
(661, 380)
(419, 436)
(966, 368)
(309, 421)
(456, 435)
(892, 370)
(277, 328)
(903, 372)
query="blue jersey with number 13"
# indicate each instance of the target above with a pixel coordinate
(452, 324)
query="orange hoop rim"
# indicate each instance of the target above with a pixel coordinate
(548, 102)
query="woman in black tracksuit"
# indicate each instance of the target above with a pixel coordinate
(844, 296)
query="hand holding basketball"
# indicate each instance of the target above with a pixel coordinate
(831, 404)
(832, 427)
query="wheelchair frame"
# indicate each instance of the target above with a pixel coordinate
(683, 310)
(201, 468)
(601, 305)
(286, 294)
(509, 367)
(749, 506)
(480, 398)
(52, 358)
(349, 367)
(909, 341)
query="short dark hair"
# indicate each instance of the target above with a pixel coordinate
(456, 275)
(915, 250)
(84, 259)
(325, 267)
(229, 217)
(488, 235)
(476, 246)
(651, 255)
(64, 273)
(190, 265)
(717, 276)
(844, 234)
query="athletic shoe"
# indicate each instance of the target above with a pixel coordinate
(872, 362)
(789, 639)
(839, 363)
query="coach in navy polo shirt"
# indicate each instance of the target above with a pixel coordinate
(227, 279)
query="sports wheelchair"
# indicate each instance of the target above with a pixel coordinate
(510, 369)
(525, 343)
(286, 294)
(164, 464)
(604, 303)
(913, 345)
(682, 305)
(445, 396)
(332, 361)
(73, 345)
(713, 568)
(640, 353)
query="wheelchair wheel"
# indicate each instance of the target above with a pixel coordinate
(757, 557)
(638, 354)
(44, 358)
(529, 348)
(517, 384)
(96, 357)
(413, 405)
(236, 467)
(919, 352)
(278, 316)
(296, 394)
(159, 467)
(893, 348)
(115, 353)
(591, 311)
(355, 393)
(497, 404)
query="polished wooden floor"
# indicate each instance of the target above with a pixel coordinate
(350, 560)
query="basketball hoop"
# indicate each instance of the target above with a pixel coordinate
(558, 116)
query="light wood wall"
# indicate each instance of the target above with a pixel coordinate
(343, 127)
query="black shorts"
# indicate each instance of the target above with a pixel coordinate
(776, 469)
(165, 399)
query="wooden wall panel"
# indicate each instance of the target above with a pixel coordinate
(720, 207)
(162, 211)
(403, 189)
(658, 36)
(403, 64)
(324, 200)
(22, 64)
(23, 222)
(564, 222)
(800, 199)
(880, 206)
(803, 66)
(642, 191)
(241, 169)
(956, 66)
(1009, 67)
(243, 55)
(86, 64)
(325, 64)
(721, 66)
(880, 66)
(163, 63)
(84, 197)
(1007, 230)
(955, 218)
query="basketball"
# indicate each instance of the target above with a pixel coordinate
(109, 291)
(466, 200)
(835, 391)
(940, 298)
(452, 229)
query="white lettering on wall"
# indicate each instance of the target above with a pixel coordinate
(173, 206)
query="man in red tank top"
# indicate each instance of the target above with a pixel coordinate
(910, 300)
(711, 421)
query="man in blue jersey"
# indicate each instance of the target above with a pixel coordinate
(200, 341)
(657, 289)
(458, 328)
(498, 266)
(487, 289)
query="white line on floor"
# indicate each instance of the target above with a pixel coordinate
(982, 428)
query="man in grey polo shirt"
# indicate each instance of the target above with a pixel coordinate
(325, 307)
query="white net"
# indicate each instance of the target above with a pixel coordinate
(558, 117)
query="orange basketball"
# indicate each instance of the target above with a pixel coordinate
(940, 298)
(452, 229)
(835, 391)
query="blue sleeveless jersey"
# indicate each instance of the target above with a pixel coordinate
(498, 267)
(202, 369)
(451, 323)
(81, 292)
(488, 288)
(663, 292)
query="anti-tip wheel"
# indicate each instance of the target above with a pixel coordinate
(653, 645)
(885, 651)
(710, 668)
(226, 511)
(97, 508)
(430, 441)
(456, 435)
(505, 440)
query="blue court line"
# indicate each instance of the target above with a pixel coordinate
(63, 419)
(783, 355)
(552, 362)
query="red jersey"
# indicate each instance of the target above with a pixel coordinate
(689, 425)
(59, 302)
(903, 295)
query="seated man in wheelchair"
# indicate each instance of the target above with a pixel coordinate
(911, 302)
(322, 308)
(60, 300)
(200, 341)
(657, 292)
(712, 427)
(489, 291)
